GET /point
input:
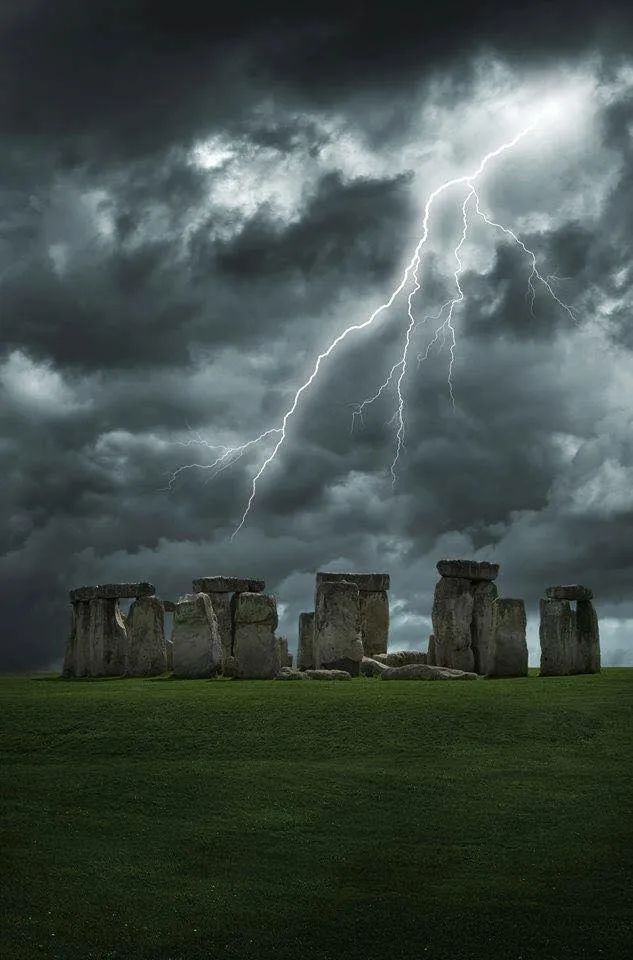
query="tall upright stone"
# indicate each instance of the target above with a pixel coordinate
(256, 649)
(147, 650)
(305, 648)
(197, 648)
(508, 653)
(374, 621)
(337, 627)
(588, 638)
(431, 656)
(452, 616)
(222, 606)
(484, 596)
(97, 644)
(557, 638)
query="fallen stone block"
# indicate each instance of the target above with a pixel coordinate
(571, 591)
(328, 675)
(228, 585)
(372, 668)
(422, 671)
(288, 673)
(366, 582)
(468, 569)
(147, 650)
(399, 658)
(197, 650)
(112, 591)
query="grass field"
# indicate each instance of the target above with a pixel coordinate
(200, 819)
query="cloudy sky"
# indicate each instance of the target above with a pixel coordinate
(193, 208)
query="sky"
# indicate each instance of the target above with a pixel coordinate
(195, 206)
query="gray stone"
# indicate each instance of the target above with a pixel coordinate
(197, 647)
(422, 671)
(372, 668)
(147, 651)
(328, 675)
(557, 637)
(255, 646)
(509, 654)
(399, 658)
(570, 591)
(366, 582)
(588, 638)
(468, 569)
(221, 603)
(484, 594)
(452, 616)
(287, 673)
(284, 656)
(230, 668)
(305, 649)
(431, 656)
(169, 606)
(337, 636)
(228, 585)
(97, 644)
(374, 621)
(169, 653)
(112, 591)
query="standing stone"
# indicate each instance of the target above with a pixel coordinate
(221, 603)
(305, 649)
(147, 651)
(484, 595)
(452, 616)
(374, 621)
(337, 630)
(97, 645)
(588, 638)
(556, 634)
(255, 646)
(508, 655)
(284, 655)
(431, 653)
(169, 649)
(197, 648)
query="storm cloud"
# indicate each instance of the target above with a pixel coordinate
(193, 207)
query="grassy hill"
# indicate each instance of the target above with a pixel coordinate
(200, 819)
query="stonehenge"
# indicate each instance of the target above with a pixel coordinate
(569, 638)
(474, 630)
(227, 626)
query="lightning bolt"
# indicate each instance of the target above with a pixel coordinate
(411, 275)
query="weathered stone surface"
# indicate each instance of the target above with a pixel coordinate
(422, 671)
(147, 650)
(288, 673)
(228, 585)
(374, 621)
(557, 637)
(431, 654)
(468, 569)
(305, 649)
(255, 646)
(337, 637)
(452, 616)
(570, 591)
(169, 606)
(399, 658)
(509, 652)
(197, 648)
(230, 668)
(484, 594)
(169, 653)
(97, 644)
(328, 675)
(112, 591)
(284, 656)
(372, 668)
(367, 582)
(588, 638)
(221, 603)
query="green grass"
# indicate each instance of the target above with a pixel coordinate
(200, 819)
